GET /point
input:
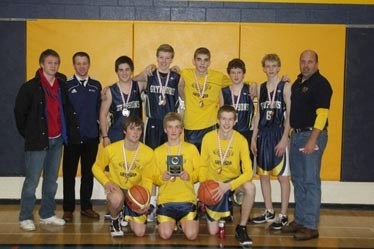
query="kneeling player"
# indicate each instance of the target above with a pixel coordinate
(177, 165)
(130, 162)
(225, 156)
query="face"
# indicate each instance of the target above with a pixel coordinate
(201, 62)
(164, 59)
(226, 121)
(124, 72)
(236, 75)
(173, 129)
(271, 68)
(81, 66)
(308, 64)
(50, 65)
(133, 133)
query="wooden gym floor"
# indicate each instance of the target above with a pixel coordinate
(339, 228)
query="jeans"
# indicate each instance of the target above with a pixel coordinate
(305, 176)
(47, 161)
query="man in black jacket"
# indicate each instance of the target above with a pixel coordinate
(83, 132)
(39, 113)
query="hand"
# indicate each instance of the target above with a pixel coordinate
(221, 190)
(309, 148)
(184, 176)
(110, 187)
(149, 69)
(175, 69)
(280, 149)
(254, 148)
(106, 141)
(285, 78)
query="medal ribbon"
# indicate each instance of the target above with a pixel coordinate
(235, 105)
(128, 168)
(125, 103)
(272, 99)
(163, 88)
(223, 157)
(201, 92)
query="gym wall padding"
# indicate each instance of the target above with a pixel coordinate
(104, 41)
(358, 129)
(288, 41)
(12, 76)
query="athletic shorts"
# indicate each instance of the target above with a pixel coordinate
(267, 162)
(222, 209)
(176, 211)
(154, 134)
(196, 136)
(130, 215)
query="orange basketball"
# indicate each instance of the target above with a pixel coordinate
(205, 192)
(137, 198)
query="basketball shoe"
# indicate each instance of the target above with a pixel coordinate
(267, 216)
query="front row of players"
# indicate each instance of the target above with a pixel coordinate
(224, 158)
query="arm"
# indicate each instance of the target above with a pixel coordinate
(256, 120)
(21, 108)
(106, 101)
(221, 101)
(246, 166)
(280, 149)
(98, 169)
(181, 88)
(142, 76)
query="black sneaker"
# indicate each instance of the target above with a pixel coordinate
(241, 235)
(115, 228)
(279, 222)
(267, 216)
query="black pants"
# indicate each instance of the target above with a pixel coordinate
(86, 152)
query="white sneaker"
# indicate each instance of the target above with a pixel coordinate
(27, 225)
(53, 220)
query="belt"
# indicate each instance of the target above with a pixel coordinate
(298, 130)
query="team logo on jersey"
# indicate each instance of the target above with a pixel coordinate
(305, 89)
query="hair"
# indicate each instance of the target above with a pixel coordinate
(201, 50)
(172, 116)
(271, 57)
(124, 60)
(165, 48)
(226, 108)
(236, 63)
(81, 54)
(135, 120)
(46, 53)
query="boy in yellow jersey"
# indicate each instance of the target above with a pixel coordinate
(177, 164)
(130, 163)
(225, 156)
(200, 89)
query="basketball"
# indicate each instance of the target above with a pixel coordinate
(205, 192)
(137, 198)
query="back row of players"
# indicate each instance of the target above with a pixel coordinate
(224, 157)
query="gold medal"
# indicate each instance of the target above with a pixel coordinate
(219, 170)
(201, 103)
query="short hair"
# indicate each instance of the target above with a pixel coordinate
(81, 54)
(226, 108)
(46, 53)
(172, 116)
(236, 63)
(124, 60)
(271, 57)
(135, 120)
(165, 48)
(201, 50)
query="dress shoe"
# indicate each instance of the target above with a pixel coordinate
(292, 227)
(68, 216)
(306, 234)
(90, 213)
